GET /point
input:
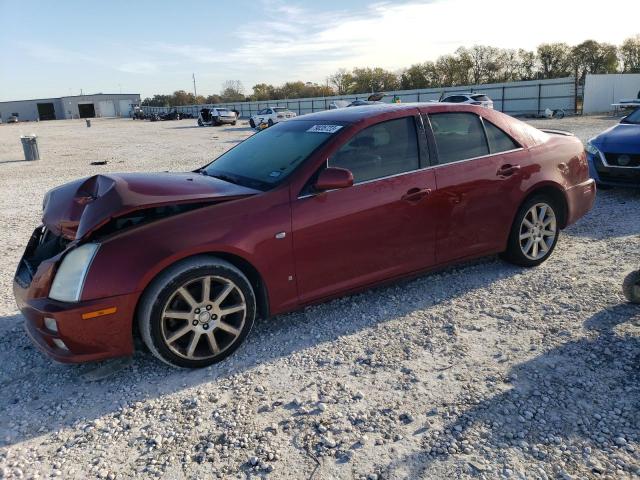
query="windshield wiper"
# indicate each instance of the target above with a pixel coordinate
(226, 178)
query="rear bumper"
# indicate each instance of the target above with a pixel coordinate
(83, 340)
(580, 199)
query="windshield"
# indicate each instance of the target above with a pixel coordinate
(268, 157)
(633, 117)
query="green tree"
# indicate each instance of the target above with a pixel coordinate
(343, 81)
(593, 57)
(232, 91)
(555, 60)
(630, 54)
(420, 75)
(367, 80)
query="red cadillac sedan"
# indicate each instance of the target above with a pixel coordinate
(313, 208)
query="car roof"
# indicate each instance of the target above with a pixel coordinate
(354, 114)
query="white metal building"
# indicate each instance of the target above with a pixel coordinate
(602, 91)
(77, 106)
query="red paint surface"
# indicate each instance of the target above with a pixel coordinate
(336, 241)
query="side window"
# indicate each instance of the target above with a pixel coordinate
(381, 150)
(458, 136)
(498, 140)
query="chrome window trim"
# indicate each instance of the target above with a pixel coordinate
(300, 197)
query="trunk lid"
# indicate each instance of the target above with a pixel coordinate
(76, 209)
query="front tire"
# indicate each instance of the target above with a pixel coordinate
(270, 123)
(252, 123)
(534, 233)
(631, 287)
(200, 124)
(197, 312)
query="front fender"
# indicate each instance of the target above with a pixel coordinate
(246, 228)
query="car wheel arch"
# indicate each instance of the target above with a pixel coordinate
(556, 193)
(247, 268)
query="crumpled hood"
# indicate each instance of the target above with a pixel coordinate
(78, 208)
(621, 138)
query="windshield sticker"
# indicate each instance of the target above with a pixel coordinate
(275, 174)
(325, 128)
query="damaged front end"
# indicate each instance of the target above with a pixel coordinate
(79, 219)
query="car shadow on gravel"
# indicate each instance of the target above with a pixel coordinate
(582, 397)
(617, 202)
(34, 387)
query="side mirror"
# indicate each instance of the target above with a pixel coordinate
(332, 178)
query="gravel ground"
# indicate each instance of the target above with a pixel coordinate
(483, 370)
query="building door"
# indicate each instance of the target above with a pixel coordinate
(86, 110)
(125, 107)
(46, 111)
(107, 108)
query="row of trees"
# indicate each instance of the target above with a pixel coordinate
(466, 66)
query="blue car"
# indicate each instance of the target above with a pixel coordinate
(614, 155)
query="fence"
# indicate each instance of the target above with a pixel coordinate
(514, 98)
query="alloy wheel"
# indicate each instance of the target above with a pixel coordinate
(538, 231)
(203, 317)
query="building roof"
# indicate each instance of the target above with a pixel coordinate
(72, 96)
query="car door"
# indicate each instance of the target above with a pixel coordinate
(380, 227)
(478, 178)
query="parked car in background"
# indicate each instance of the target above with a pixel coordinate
(469, 98)
(13, 118)
(614, 155)
(216, 116)
(271, 116)
(310, 209)
(170, 115)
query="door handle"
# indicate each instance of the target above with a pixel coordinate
(507, 170)
(416, 194)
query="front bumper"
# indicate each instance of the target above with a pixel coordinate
(77, 339)
(580, 199)
(86, 340)
(604, 174)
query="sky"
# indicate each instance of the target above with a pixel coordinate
(56, 48)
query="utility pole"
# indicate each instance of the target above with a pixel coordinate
(195, 92)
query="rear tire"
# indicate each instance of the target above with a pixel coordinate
(233, 123)
(197, 312)
(270, 123)
(534, 232)
(200, 124)
(631, 287)
(252, 123)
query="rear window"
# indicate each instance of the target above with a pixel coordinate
(499, 141)
(459, 136)
(280, 109)
(481, 98)
(222, 109)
